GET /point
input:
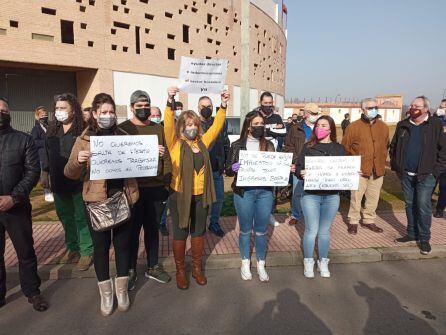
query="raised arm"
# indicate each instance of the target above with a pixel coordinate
(169, 119)
(211, 135)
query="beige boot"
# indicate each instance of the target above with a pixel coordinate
(106, 292)
(121, 284)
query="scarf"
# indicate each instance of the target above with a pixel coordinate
(184, 197)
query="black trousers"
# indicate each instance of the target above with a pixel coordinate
(121, 237)
(148, 212)
(441, 203)
(18, 224)
(198, 217)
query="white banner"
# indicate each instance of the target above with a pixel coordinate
(203, 76)
(263, 168)
(115, 157)
(332, 173)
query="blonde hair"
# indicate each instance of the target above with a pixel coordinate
(37, 111)
(181, 123)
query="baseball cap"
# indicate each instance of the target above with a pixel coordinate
(311, 107)
(137, 95)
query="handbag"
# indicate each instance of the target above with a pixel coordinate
(110, 213)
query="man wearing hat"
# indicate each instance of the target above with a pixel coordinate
(153, 191)
(298, 134)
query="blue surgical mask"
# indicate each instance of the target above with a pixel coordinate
(178, 112)
(156, 120)
(372, 113)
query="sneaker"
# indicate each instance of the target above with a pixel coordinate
(132, 279)
(215, 229)
(158, 274)
(245, 270)
(84, 263)
(68, 257)
(425, 248)
(273, 222)
(405, 239)
(322, 267)
(438, 214)
(164, 230)
(309, 267)
(48, 195)
(261, 271)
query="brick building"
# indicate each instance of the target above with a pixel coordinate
(117, 46)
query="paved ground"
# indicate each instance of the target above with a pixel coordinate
(49, 238)
(406, 297)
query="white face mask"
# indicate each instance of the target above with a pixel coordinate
(61, 116)
(441, 112)
(178, 112)
(106, 121)
(313, 118)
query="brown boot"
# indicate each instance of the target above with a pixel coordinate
(179, 252)
(197, 253)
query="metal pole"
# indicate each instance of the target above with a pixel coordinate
(245, 64)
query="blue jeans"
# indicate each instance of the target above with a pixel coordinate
(163, 220)
(298, 189)
(220, 193)
(418, 195)
(319, 213)
(253, 211)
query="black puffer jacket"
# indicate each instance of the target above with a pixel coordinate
(234, 158)
(19, 165)
(219, 150)
(433, 149)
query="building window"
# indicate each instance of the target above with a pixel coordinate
(83, 26)
(14, 24)
(209, 19)
(91, 2)
(90, 43)
(121, 25)
(185, 33)
(126, 10)
(149, 16)
(150, 46)
(41, 37)
(114, 47)
(171, 54)
(82, 9)
(2, 31)
(170, 36)
(48, 11)
(125, 49)
(169, 15)
(138, 40)
(67, 31)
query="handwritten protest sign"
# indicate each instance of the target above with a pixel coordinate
(262, 168)
(203, 76)
(116, 157)
(332, 173)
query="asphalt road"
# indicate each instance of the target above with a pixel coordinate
(406, 297)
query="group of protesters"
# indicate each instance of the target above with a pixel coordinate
(194, 156)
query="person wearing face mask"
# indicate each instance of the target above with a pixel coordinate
(252, 204)
(319, 207)
(178, 109)
(19, 173)
(297, 136)
(70, 208)
(192, 185)
(103, 123)
(441, 203)
(418, 156)
(153, 191)
(218, 153)
(38, 133)
(367, 137)
(345, 123)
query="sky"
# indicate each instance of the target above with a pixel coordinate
(363, 48)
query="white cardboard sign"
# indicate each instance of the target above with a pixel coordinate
(115, 157)
(203, 76)
(332, 173)
(263, 168)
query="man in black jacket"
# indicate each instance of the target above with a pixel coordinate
(418, 156)
(218, 154)
(19, 173)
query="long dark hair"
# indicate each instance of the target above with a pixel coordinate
(98, 101)
(245, 129)
(78, 124)
(313, 139)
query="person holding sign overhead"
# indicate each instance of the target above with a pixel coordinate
(253, 204)
(319, 206)
(103, 123)
(192, 182)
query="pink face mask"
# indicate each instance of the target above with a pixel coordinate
(321, 133)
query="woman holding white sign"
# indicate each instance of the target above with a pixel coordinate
(103, 123)
(192, 182)
(319, 206)
(253, 204)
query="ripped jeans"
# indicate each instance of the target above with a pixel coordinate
(253, 211)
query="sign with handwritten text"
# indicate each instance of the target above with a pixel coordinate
(263, 168)
(330, 173)
(203, 76)
(114, 157)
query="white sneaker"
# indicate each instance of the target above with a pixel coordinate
(322, 267)
(309, 267)
(48, 195)
(245, 270)
(263, 275)
(273, 222)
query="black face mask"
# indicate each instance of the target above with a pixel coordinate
(267, 110)
(142, 114)
(44, 121)
(5, 120)
(206, 112)
(257, 131)
(298, 119)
